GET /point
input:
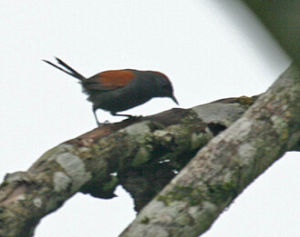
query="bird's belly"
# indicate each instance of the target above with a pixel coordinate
(115, 101)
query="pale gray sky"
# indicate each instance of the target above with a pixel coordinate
(208, 54)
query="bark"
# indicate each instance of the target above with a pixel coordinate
(219, 172)
(144, 154)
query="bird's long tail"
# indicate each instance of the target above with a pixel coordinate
(67, 69)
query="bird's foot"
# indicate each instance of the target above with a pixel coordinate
(134, 117)
(102, 124)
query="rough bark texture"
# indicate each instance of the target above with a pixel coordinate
(142, 154)
(190, 203)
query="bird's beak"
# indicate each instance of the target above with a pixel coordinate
(174, 99)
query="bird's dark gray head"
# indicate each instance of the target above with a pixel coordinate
(164, 86)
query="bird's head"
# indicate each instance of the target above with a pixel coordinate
(164, 86)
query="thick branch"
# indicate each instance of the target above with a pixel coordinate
(190, 203)
(162, 144)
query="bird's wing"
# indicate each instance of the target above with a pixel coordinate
(109, 80)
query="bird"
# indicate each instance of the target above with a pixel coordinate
(120, 90)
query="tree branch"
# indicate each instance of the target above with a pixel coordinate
(282, 19)
(162, 144)
(143, 155)
(190, 203)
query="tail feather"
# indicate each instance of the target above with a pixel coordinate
(70, 71)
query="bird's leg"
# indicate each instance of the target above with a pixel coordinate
(96, 118)
(123, 115)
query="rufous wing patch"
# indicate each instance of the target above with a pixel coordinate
(109, 80)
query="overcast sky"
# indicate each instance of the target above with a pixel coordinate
(208, 51)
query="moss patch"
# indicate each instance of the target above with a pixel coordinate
(220, 193)
(246, 101)
(145, 220)
(191, 195)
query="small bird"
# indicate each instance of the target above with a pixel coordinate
(119, 90)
